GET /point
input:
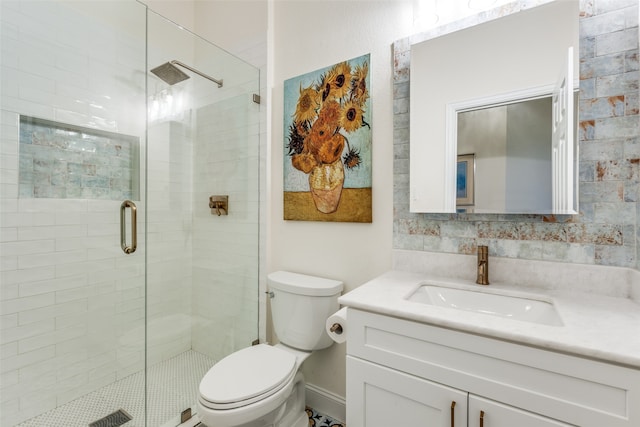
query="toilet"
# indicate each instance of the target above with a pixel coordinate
(262, 386)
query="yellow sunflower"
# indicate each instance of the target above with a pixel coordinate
(304, 162)
(308, 104)
(330, 113)
(359, 92)
(336, 82)
(331, 150)
(351, 116)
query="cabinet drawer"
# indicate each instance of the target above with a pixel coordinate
(572, 389)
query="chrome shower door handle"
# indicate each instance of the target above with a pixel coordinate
(123, 227)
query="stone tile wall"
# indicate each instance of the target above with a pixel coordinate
(63, 161)
(606, 230)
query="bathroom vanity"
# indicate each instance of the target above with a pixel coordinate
(423, 350)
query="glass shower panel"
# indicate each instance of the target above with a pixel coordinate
(202, 268)
(72, 147)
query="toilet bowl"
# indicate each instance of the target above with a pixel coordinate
(262, 386)
(251, 387)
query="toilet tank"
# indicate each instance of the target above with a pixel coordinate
(300, 306)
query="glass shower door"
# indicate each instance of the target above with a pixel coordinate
(73, 135)
(89, 327)
(202, 262)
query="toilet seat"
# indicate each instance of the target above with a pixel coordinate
(247, 376)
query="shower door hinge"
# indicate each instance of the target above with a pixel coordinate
(185, 415)
(256, 98)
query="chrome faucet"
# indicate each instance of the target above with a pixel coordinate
(483, 265)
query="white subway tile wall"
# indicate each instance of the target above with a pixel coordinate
(68, 293)
(72, 304)
(169, 229)
(225, 248)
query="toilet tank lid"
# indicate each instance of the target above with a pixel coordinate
(303, 284)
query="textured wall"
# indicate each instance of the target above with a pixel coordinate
(605, 231)
(62, 161)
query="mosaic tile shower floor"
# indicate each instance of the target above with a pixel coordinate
(171, 384)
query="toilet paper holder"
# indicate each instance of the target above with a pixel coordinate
(336, 328)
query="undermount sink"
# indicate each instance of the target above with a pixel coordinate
(507, 306)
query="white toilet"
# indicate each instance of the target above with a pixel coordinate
(261, 386)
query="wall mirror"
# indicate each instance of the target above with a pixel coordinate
(493, 115)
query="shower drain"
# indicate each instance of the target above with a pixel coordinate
(113, 420)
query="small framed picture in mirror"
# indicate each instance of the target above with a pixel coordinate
(465, 170)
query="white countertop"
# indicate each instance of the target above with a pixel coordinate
(595, 326)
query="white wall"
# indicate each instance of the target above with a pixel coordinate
(181, 12)
(528, 182)
(483, 133)
(308, 35)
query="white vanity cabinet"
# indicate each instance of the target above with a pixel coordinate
(405, 373)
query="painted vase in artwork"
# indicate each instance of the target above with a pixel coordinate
(325, 183)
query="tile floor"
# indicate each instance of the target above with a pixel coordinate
(318, 420)
(171, 388)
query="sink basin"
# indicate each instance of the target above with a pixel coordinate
(507, 306)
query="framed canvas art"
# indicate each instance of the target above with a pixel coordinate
(465, 180)
(327, 147)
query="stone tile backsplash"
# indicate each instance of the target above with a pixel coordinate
(62, 161)
(606, 229)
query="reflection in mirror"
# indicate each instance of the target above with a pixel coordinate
(512, 148)
(465, 181)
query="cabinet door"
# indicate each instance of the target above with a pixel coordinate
(487, 413)
(383, 397)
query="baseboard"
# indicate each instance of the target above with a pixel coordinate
(326, 402)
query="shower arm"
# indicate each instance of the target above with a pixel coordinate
(193, 70)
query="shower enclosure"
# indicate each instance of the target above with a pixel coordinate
(120, 286)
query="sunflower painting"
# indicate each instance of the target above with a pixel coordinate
(327, 147)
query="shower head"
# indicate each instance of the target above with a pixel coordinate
(171, 74)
